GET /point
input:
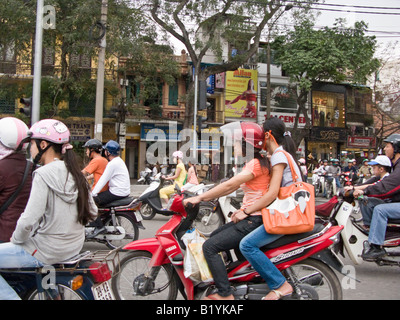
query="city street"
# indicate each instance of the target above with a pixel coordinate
(376, 283)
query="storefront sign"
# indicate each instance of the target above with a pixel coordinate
(289, 119)
(361, 142)
(328, 134)
(80, 131)
(154, 132)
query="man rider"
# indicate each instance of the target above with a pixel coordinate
(383, 202)
(95, 169)
(117, 176)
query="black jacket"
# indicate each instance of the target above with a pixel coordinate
(388, 188)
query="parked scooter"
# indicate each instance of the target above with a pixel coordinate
(154, 268)
(86, 276)
(122, 221)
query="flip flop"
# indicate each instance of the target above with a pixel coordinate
(278, 294)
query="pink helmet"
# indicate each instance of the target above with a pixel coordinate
(51, 130)
(12, 132)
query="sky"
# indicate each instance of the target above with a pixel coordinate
(382, 17)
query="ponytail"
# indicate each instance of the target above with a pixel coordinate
(81, 184)
(281, 135)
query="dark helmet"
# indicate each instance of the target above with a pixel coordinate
(394, 139)
(112, 147)
(94, 144)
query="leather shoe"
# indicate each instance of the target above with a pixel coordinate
(372, 252)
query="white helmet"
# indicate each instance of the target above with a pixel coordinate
(13, 132)
(178, 154)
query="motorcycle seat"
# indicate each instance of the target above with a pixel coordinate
(286, 239)
(394, 221)
(119, 203)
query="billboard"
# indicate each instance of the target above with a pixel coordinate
(241, 93)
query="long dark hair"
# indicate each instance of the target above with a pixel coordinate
(264, 161)
(81, 184)
(282, 135)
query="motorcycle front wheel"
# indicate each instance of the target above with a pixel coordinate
(134, 280)
(147, 212)
(315, 280)
(130, 227)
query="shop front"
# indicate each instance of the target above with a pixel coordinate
(328, 134)
(326, 143)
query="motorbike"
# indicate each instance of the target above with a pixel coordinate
(86, 276)
(348, 178)
(154, 268)
(145, 176)
(147, 211)
(330, 185)
(346, 213)
(122, 221)
(319, 184)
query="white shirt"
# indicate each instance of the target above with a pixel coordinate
(117, 176)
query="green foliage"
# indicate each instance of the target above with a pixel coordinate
(337, 54)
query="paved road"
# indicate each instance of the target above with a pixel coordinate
(376, 283)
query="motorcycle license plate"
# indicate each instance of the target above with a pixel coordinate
(103, 291)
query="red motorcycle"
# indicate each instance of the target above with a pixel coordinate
(154, 268)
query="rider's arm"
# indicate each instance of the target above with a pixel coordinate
(385, 188)
(272, 193)
(34, 210)
(227, 187)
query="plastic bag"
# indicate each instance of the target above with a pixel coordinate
(195, 265)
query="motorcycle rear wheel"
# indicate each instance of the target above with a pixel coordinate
(316, 280)
(131, 230)
(130, 278)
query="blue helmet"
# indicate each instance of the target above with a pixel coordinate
(112, 147)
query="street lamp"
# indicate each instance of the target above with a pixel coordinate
(287, 8)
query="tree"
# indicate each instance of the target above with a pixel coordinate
(338, 54)
(200, 25)
(128, 33)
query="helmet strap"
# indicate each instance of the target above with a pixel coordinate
(41, 151)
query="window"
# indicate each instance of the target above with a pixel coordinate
(173, 95)
(328, 109)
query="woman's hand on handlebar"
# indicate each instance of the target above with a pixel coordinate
(193, 201)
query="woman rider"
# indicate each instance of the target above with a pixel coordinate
(276, 138)
(254, 180)
(52, 227)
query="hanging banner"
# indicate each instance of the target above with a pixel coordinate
(241, 93)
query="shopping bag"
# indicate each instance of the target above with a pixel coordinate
(195, 264)
(294, 209)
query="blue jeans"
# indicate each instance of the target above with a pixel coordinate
(367, 209)
(249, 246)
(380, 216)
(14, 256)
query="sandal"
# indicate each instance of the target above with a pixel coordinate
(278, 294)
(214, 296)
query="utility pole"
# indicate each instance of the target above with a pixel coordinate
(37, 71)
(98, 121)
